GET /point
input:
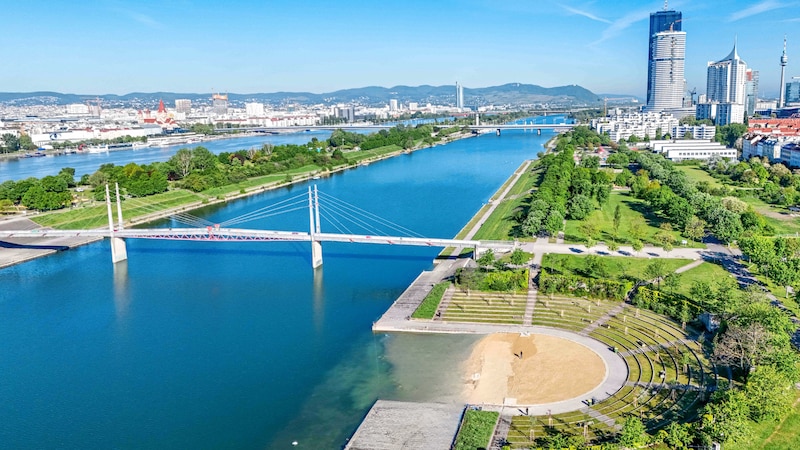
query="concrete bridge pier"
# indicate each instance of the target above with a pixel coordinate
(316, 254)
(313, 216)
(119, 251)
(498, 131)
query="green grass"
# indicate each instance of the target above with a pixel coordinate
(708, 272)
(631, 209)
(617, 267)
(776, 216)
(97, 215)
(476, 430)
(767, 435)
(696, 174)
(430, 303)
(355, 157)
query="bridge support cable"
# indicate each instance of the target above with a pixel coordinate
(344, 215)
(181, 217)
(267, 211)
(119, 252)
(366, 214)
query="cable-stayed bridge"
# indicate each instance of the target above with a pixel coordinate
(351, 223)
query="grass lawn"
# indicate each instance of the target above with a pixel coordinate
(631, 209)
(354, 157)
(696, 174)
(775, 436)
(501, 224)
(776, 216)
(476, 429)
(704, 272)
(97, 215)
(430, 303)
(617, 267)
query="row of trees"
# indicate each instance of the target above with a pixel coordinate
(45, 194)
(668, 191)
(10, 143)
(565, 190)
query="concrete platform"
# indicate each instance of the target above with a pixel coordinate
(392, 425)
(18, 250)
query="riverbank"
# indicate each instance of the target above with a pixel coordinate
(16, 251)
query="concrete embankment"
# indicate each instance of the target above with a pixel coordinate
(19, 250)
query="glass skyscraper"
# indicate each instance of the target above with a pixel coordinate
(660, 21)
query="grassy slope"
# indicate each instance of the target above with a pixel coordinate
(630, 208)
(618, 267)
(706, 272)
(771, 436)
(696, 174)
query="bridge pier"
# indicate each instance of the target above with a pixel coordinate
(119, 251)
(498, 131)
(313, 217)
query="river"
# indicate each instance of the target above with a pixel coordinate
(240, 345)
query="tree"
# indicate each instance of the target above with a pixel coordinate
(486, 259)
(518, 257)
(724, 419)
(729, 134)
(769, 393)
(617, 220)
(579, 207)
(554, 222)
(588, 229)
(677, 435)
(636, 228)
(742, 346)
(657, 269)
(695, 229)
(672, 282)
(633, 434)
(182, 162)
(637, 245)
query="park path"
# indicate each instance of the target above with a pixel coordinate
(493, 203)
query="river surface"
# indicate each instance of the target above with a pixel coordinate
(241, 345)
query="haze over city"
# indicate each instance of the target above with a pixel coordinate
(200, 46)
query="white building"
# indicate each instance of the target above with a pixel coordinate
(254, 109)
(623, 126)
(790, 154)
(393, 104)
(756, 144)
(729, 113)
(726, 86)
(77, 108)
(705, 132)
(692, 149)
(667, 70)
(183, 105)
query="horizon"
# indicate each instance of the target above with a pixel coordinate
(122, 47)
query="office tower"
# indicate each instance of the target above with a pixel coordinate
(665, 73)
(393, 104)
(459, 96)
(751, 92)
(220, 104)
(660, 22)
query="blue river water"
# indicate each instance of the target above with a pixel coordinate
(240, 345)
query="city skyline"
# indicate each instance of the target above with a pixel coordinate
(117, 47)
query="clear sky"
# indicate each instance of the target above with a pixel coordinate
(247, 46)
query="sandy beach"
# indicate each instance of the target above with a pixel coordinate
(532, 369)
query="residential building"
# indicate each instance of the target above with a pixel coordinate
(254, 109)
(792, 93)
(729, 113)
(666, 70)
(621, 126)
(183, 105)
(703, 132)
(706, 111)
(219, 104)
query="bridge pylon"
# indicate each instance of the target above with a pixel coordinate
(313, 218)
(119, 251)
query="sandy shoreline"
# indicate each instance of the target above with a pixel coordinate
(533, 369)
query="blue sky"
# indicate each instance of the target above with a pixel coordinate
(117, 46)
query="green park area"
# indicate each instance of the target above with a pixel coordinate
(610, 267)
(697, 174)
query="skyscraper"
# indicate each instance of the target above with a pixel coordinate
(726, 79)
(665, 73)
(459, 96)
(660, 22)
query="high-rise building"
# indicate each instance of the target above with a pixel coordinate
(393, 104)
(254, 109)
(459, 96)
(784, 60)
(660, 21)
(751, 92)
(727, 85)
(665, 74)
(220, 104)
(183, 105)
(727, 79)
(792, 91)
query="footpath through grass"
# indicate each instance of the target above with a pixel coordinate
(708, 272)
(476, 430)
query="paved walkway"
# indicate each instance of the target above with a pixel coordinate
(18, 250)
(493, 203)
(391, 425)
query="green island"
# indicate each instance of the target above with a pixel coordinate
(709, 356)
(197, 177)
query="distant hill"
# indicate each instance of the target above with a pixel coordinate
(515, 94)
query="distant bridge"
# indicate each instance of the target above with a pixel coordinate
(357, 127)
(203, 230)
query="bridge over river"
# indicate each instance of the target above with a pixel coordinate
(339, 213)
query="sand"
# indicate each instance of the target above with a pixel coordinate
(551, 369)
